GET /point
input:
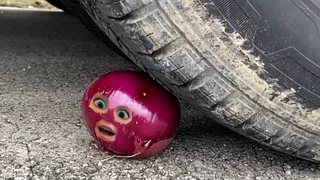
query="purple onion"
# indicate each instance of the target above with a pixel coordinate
(130, 115)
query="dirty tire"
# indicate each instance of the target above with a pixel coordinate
(231, 59)
(58, 4)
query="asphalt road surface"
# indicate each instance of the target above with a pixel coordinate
(47, 59)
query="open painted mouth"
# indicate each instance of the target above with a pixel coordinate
(105, 131)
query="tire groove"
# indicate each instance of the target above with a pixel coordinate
(140, 13)
(307, 146)
(199, 80)
(280, 134)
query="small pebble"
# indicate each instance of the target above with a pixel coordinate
(288, 172)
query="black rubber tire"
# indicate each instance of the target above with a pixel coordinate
(76, 9)
(58, 4)
(232, 59)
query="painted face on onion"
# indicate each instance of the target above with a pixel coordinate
(128, 114)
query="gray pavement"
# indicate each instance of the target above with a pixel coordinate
(47, 59)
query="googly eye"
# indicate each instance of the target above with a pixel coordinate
(123, 114)
(99, 103)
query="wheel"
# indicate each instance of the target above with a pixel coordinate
(58, 4)
(252, 66)
(75, 8)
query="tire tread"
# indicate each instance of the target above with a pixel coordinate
(151, 35)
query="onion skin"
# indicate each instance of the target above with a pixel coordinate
(154, 114)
